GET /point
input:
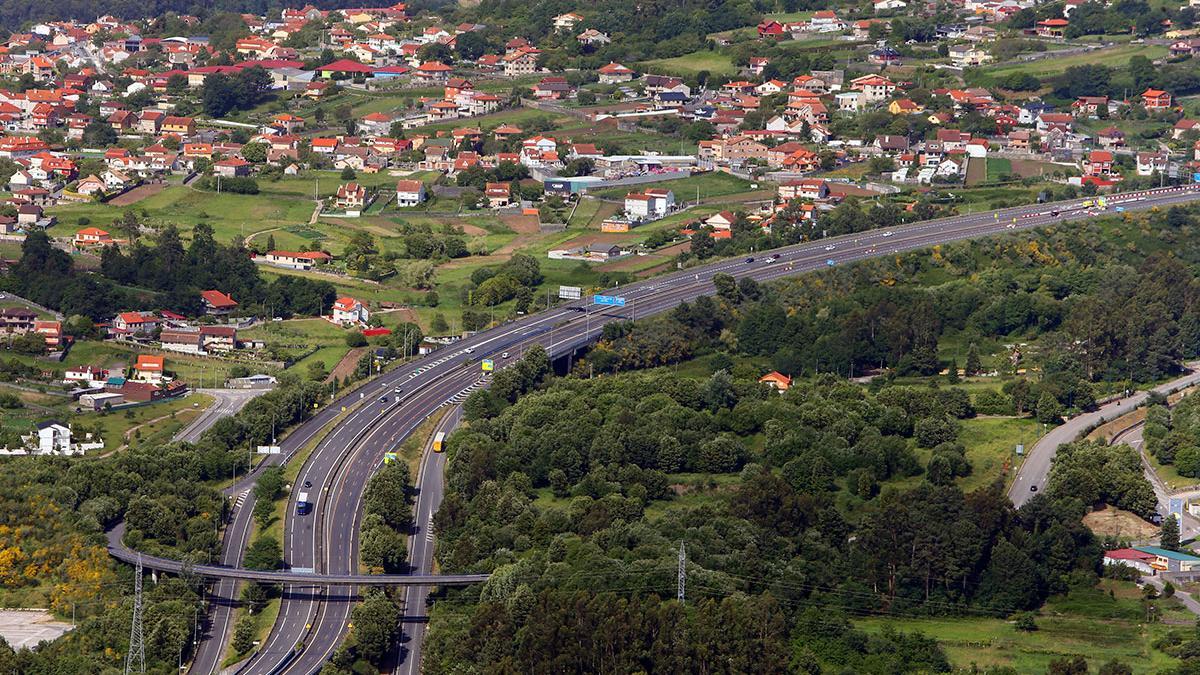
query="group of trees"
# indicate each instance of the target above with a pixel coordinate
(1172, 435)
(764, 546)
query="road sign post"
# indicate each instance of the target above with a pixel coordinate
(570, 292)
(488, 365)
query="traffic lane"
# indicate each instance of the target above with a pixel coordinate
(345, 520)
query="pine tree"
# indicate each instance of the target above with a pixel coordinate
(270, 242)
(973, 366)
(952, 372)
(1170, 534)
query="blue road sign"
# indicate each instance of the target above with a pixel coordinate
(613, 300)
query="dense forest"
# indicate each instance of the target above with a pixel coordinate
(163, 276)
(577, 497)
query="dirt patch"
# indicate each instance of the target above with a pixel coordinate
(473, 230)
(137, 194)
(598, 238)
(347, 365)
(1111, 521)
(522, 224)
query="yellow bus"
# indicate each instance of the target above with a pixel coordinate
(439, 441)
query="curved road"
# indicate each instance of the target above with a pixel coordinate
(226, 402)
(311, 625)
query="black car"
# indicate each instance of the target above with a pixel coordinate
(749, 260)
(1033, 488)
(308, 483)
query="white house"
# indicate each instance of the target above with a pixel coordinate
(409, 192)
(347, 311)
(54, 438)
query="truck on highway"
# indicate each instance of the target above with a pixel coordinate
(303, 506)
(439, 441)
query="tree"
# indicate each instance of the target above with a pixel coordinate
(355, 338)
(1048, 410)
(439, 325)
(376, 626)
(243, 633)
(348, 173)
(264, 554)
(99, 134)
(1169, 538)
(973, 365)
(255, 153)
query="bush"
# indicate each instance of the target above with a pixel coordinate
(356, 339)
(991, 402)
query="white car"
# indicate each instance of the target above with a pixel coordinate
(504, 355)
(469, 350)
(888, 233)
(830, 247)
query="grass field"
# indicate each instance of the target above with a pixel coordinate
(710, 184)
(1113, 57)
(997, 167)
(715, 63)
(990, 441)
(1085, 622)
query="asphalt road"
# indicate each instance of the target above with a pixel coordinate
(430, 490)
(1036, 467)
(227, 402)
(326, 539)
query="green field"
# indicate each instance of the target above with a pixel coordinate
(990, 441)
(997, 167)
(1114, 57)
(710, 184)
(715, 63)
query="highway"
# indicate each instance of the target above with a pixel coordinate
(325, 541)
(227, 402)
(430, 490)
(1034, 471)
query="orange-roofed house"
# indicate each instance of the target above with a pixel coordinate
(348, 312)
(297, 260)
(216, 302)
(1052, 28)
(1098, 163)
(149, 368)
(1156, 99)
(409, 192)
(51, 331)
(777, 381)
(92, 236)
(432, 72)
(288, 122)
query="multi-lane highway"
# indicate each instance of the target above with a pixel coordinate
(311, 624)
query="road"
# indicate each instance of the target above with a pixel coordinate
(311, 625)
(1036, 467)
(430, 490)
(226, 402)
(1189, 526)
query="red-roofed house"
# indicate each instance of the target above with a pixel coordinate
(149, 368)
(1156, 99)
(347, 311)
(777, 381)
(614, 73)
(216, 302)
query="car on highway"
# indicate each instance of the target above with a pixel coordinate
(771, 259)
(888, 233)
(829, 262)
(469, 350)
(383, 399)
(1033, 488)
(308, 483)
(398, 390)
(749, 260)
(830, 247)
(504, 355)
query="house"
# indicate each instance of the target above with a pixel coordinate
(905, 106)
(614, 73)
(721, 221)
(643, 206)
(187, 341)
(347, 311)
(432, 72)
(350, 197)
(54, 438)
(1156, 99)
(288, 122)
(1089, 106)
(1183, 126)
(1098, 163)
(874, 87)
(1131, 557)
(17, 320)
(809, 188)
(216, 302)
(1170, 561)
(92, 236)
(51, 331)
(1052, 28)
(825, 21)
(565, 23)
(592, 38)
(218, 338)
(1110, 137)
(771, 30)
(135, 323)
(409, 192)
(297, 260)
(232, 167)
(885, 56)
(89, 186)
(498, 194)
(180, 126)
(87, 376)
(149, 368)
(777, 381)
(1149, 163)
(968, 55)
(521, 62)
(889, 5)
